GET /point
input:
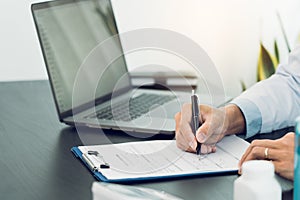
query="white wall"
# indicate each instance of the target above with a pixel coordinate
(228, 30)
(20, 55)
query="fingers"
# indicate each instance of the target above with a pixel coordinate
(177, 121)
(208, 134)
(265, 143)
(257, 148)
(186, 113)
(185, 141)
(206, 149)
(254, 153)
(280, 152)
(282, 162)
(262, 150)
(212, 129)
(185, 138)
(262, 153)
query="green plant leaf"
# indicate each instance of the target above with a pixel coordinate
(283, 32)
(265, 67)
(243, 85)
(276, 51)
(298, 40)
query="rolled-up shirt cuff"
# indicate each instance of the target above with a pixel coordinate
(251, 114)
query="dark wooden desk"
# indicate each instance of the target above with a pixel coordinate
(36, 161)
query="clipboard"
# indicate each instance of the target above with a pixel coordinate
(173, 163)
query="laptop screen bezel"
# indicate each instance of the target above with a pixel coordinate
(92, 103)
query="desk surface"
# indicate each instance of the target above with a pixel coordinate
(36, 161)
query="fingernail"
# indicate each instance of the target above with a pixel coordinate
(201, 137)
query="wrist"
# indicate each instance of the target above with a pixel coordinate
(234, 120)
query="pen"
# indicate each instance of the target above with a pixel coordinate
(195, 118)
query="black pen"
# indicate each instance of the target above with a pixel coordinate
(195, 118)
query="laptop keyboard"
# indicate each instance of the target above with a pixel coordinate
(137, 106)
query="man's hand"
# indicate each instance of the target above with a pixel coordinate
(216, 123)
(280, 152)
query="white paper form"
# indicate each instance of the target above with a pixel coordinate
(163, 158)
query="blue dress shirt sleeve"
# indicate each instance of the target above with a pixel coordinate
(251, 114)
(274, 103)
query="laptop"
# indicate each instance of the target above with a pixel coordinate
(87, 92)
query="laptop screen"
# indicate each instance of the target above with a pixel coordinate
(69, 30)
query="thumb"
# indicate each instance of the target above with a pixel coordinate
(202, 133)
